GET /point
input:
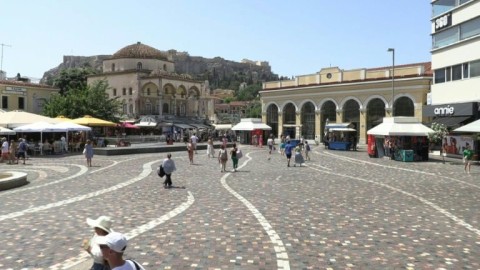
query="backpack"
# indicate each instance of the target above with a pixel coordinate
(160, 171)
(239, 154)
(307, 147)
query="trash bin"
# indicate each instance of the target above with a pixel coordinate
(407, 155)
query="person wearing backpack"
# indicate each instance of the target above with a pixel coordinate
(22, 150)
(222, 158)
(168, 166)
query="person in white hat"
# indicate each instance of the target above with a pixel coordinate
(102, 226)
(113, 245)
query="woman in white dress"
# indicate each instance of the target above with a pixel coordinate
(210, 149)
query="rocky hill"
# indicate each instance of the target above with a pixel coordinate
(219, 72)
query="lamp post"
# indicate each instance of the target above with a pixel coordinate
(393, 76)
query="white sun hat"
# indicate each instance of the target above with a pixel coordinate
(102, 222)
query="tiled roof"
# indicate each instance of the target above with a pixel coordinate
(139, 50)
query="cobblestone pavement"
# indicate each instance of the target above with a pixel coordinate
(342, 210)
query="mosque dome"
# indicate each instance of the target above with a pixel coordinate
(139, 50)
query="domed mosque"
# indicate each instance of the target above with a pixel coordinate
(144, 79)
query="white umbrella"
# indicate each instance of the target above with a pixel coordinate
(72, 126)
(6, 131)
(19, 118)
(39, 127)
(473, 127)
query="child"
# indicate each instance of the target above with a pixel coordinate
(307, 150)
(222, 158)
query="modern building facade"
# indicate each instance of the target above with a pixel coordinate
(455, 93)
(24, 95)
(144, 79)
(302, 106)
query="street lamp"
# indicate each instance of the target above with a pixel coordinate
(393, 75)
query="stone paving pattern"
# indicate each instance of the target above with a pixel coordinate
(342, 210)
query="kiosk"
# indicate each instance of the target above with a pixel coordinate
(340, 136)
(400, 138)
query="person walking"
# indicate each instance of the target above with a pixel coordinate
(307, 151)
(233, 156)
(210, 149)
(190, 150)
(270, 146)
(288, 152)
(113, 245)
(194, 141)
(101, 227)
(467, 156)
(22, 150)
(5, 149)
(168, 167)
(13, 152)
(222, 158)
(88, 152)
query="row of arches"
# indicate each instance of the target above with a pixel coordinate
(169, 90)
(374, 109)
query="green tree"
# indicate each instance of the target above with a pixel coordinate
(254, 110)
(250, 92)
(89, 100)
(72, 78)
(441, 131)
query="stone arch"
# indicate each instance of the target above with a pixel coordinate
(308, 100)
(320, 105)
(193, 92)
(374, 97)
(351, 113)
(307, 119)
(149, 87)
(286, 103)
(347, 99)
(376, 108)
(265, 107)
(169, 90)
(272, 117)
(329, 112)
(289, 114)
(182, 91)
(404, 106)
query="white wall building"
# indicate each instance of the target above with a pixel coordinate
(455, 61)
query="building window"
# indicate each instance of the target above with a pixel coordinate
(440, 75)
(442, 6)
(448, 74)
(4, 102)
(470, 29)
(21, 103)
(475, 69)
(139, 66)
(164, 66)
(124, 91)
(456, 72)
(465, 70)
(130, 91)
(113, 66)
(130, 109)
(148, 91)
(114, 91)
(124, 108)
(445, 38)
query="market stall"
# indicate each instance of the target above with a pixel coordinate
(400, 138)
(248, 127)
(469, 133)
(340, 136)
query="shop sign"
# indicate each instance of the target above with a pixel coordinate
(443, 21)
(444, 110)
(15, 90)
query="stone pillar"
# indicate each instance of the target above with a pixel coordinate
(318, 125)
(264, 117)
(388, 112)
(363, 126)
(280, 123)
(298, 124)
(339, 115)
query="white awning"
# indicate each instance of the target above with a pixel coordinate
(199, 126)
(338, 125)
(400, 126)
(146, 124)
(342, 129)
(249, 124)
(472, 127)
(222, 126)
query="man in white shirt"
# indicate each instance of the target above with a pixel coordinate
(194, 139)
(5, 150)
(112, 246)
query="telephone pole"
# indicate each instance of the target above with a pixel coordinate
(1, 61)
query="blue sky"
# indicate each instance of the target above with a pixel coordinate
(295, 37)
